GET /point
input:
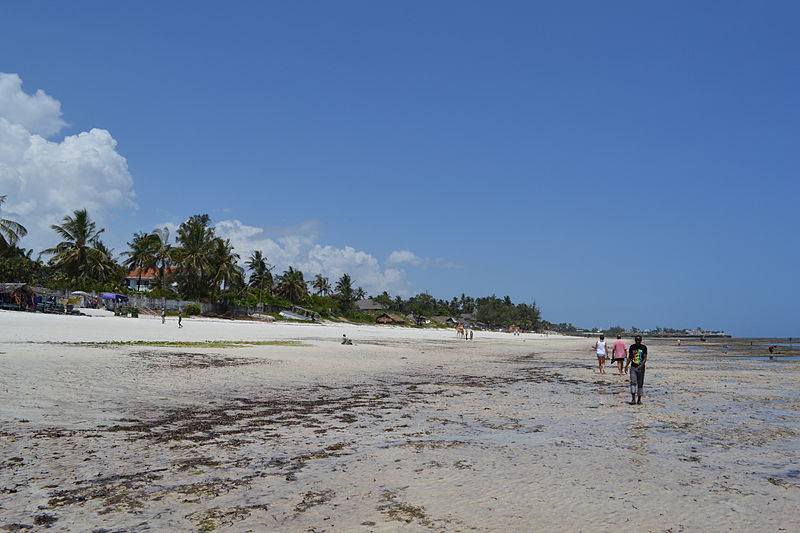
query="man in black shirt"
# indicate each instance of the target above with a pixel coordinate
(637, 357)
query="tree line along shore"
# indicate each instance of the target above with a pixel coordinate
(198, 265)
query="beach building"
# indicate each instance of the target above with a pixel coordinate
(144, 279)
(24, 297)
(141, 279)
(16, 296)
(368, 304)
(390, 318)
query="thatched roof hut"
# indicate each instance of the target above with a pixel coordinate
(11, 288)
(16, 295)
(44, 291)
(390, 318)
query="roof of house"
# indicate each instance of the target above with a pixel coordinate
(43, 291)
(369, 305)
(146, 273)
(392, 316)
(10, 288)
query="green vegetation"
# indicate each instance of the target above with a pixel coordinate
(292, 286)
(202, 266)
(344, 293)
(192, 309)
(126, 310)
(200, 344)
(261, 275)
(22, 269)
(321, 285)
(81, 259)
(10, 232)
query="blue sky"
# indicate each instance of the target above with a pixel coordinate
(620, 163)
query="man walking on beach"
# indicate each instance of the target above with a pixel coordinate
(180, 319)
(163, 316)
(619, 351)
(600, 349)
(637, 357)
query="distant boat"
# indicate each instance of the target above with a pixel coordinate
(299, 313)
(295, 316)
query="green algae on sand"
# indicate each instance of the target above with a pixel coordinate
(200, 344)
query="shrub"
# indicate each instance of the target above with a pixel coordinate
(161, 293)
(192, 309)
(356, 316)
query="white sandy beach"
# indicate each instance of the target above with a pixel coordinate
(407, 430)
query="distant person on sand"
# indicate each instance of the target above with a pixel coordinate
(618, 353)
(600, 349)
(637, 357)
(180, 319)
(345, 340)
(470, 334)
(163, 316)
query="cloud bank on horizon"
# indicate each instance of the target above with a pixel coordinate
(298, 247)
(47, 179)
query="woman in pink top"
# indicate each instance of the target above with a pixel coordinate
(618, 353)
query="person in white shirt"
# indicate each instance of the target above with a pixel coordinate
(601, 350)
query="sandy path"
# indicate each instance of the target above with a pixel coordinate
(408, 430)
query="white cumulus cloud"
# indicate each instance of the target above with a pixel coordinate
(398, 257)
(44, 180)
(407, 257)
(298, 247)
(38, 113)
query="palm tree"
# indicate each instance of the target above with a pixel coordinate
(106, 269)
(227, 271)
(453, 307)
(10, 232)
(80, 254)
(142, 254)
(260, 276)
(360, 294)
(164, 255)
(344, 292)
(467, 304)
(292, 286)
(321, 285)
(193, 257)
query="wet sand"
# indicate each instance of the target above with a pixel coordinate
(407, 430)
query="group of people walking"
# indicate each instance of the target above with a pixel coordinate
(464, 333)
(633, 358)
(164, 317)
